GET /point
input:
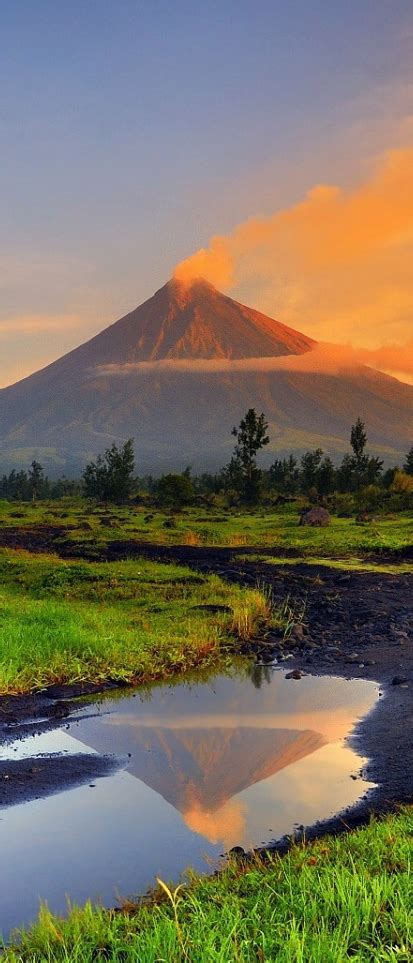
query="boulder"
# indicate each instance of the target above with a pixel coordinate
(317, 517)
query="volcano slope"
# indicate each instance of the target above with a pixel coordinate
(178, 372)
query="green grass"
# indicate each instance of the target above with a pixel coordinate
(346, 898)
(132, 621)
(274, 528)
(349, 564)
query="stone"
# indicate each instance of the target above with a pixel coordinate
(295, 674)
(297, 631)
(317, 517)
(399, 680)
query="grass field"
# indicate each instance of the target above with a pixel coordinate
(274, 528)
(132, 621)
(350, 564)
(337, 899)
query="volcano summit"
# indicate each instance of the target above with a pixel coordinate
(178, 372)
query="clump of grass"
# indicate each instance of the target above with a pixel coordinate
(192, 538)
(340, 898)
(252, 610)
(131, 621)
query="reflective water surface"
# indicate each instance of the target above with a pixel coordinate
(233, 761)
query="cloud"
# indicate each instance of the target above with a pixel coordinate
(34, 324)
(394, 359)
(337, 264)
(324, 358)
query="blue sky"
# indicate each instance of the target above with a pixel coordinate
(130, 132)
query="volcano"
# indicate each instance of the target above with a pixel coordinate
(177, 373)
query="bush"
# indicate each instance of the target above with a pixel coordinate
(402, 483)
(369, 498)
(175, 491)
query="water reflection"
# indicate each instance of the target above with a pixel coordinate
(201, 749)
(233, 761)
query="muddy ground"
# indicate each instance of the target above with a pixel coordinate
(355, 625)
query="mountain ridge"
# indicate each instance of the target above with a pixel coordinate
(69, 411)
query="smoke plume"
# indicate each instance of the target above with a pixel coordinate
(337, 265)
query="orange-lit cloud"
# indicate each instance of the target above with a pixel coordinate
(323, 358)
(396, 359)
(337, 265)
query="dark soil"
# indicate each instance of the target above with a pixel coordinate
(355, 625)
(26, 779)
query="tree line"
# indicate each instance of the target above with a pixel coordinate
(111, 477)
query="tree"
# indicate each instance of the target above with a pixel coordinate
(358, 441)
(36, 479)
(325, 477)
(310, 464)
(365, 470)
(374, 470)
(284, 475)
(110, 477)
(251, 437)
(175, 491)
(408, 465)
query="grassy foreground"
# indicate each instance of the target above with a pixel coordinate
(273, 527)
(333, 900)
(132, 621)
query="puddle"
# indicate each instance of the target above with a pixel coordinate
(233, 761)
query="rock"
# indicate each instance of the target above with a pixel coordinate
(399, 680)
(295, 674)
(237, 851)
(317, 517)
(297, 631)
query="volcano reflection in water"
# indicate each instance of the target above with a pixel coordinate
(233, 761)
(200, 746)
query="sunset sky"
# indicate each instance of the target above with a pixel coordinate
(132, 133)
